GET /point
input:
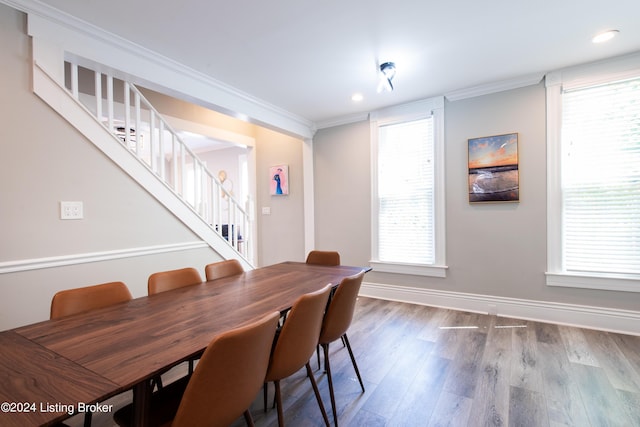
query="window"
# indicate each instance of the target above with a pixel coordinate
(594, 182)
(408, 190)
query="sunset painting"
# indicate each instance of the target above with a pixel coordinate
(493, 169)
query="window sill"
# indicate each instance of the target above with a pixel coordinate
(413, 269)
(629, 283)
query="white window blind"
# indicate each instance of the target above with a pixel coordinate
(406, 192)
(600, 179)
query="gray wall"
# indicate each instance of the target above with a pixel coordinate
(492, 249)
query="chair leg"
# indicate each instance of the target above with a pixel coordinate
(264, 388)
(317, 393)
(278, 401)
(248, 418)
(353, 360)
(318, 354)
(327, 367)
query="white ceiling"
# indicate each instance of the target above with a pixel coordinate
(308, 57)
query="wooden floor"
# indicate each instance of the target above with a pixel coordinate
(425, 366)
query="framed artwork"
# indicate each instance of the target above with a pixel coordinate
(279, 180)
(493, 169)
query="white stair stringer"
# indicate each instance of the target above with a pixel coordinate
(82, 119)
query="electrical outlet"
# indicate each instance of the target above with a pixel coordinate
(71, 210)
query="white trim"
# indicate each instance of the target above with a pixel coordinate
(309, 195)
(489, 88)
(345, 120)
(413, 269)
(606, 319)
(607, 283)
(83, 258)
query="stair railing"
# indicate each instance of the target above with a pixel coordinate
(149, 137)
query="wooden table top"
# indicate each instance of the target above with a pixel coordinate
(32, 389)
(129, 343)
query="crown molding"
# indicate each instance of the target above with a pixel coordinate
(344, 120)
(500, 86)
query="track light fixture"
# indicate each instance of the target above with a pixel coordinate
(387, 73)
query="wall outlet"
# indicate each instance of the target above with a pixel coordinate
(71, 210)
(493, 310)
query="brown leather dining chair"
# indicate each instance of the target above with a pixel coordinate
(296, 341)
(323, 258)
(163, 281)
(224, 384)
(336, 321)
(221, 269)
(79, 300)
(173, 279)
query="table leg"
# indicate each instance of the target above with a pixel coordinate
(141, 403)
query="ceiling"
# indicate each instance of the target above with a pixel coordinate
(309, 57)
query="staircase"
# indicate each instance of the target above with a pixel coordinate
(128, 129)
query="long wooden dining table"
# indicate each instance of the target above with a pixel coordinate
(56, 368)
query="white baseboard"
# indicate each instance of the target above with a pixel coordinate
(606, 319)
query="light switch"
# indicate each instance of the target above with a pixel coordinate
(266, 210)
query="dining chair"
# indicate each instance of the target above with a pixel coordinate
(323, 258)
(223, 385)
(221, 269)
(337, 320)
(78, 300)
(294, 346)
(163, 281)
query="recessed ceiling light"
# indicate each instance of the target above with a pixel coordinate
(357, 97)
(605, 36)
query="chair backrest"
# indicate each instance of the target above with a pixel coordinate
(323, 258)
(341, 307)
(73, 301)
(226, 268)
(167, 280)
(228, 376)
(298, 337)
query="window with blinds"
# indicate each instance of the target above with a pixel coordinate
(406, 192)
(600, 178)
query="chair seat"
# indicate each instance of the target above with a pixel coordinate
(164, 402)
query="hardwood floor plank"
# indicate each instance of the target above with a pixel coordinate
(466, 366)
(601, 400)
(527, 408)
(631, 402)
(421, 397)
(562, 395)
(630, 347)
(547, 333)
(491, 398)
(577, 347)
(525, 368)
(451, 411)
(613, 361)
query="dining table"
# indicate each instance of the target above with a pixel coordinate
(56, 368)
